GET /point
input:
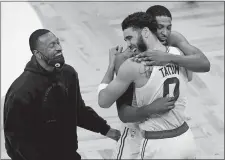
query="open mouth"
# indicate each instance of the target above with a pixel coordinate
(58, 54)
(163, 39)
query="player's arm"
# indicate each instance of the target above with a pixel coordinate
(118, 86)
(126, 112)
(119, 60)
(188, 73)
(194, 59)
(131, 114)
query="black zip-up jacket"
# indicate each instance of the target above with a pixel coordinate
(41, 113)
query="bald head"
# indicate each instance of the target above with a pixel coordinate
(34, 38)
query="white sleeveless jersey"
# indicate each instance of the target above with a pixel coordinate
(169, 80)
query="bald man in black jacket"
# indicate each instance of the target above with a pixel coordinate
(44, 106)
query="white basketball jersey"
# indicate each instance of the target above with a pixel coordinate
(169, 80)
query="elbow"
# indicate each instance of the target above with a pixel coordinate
(203, 66)
(122, 118)
(104, 100)
(125, 119)
(207, 66)
(102, 103)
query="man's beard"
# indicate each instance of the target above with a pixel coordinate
(56, 62)
(141, 45)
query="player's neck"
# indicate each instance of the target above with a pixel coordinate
(156, 44)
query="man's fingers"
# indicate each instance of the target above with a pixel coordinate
(170, 103)
(171, 107)
(132, 55)
(144, 54)
(140, 55)
(140, 59)
(120, 49)
(136, 59)
(149, 63)
(167, 97)
(171, 98)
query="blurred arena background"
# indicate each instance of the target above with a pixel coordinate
(88, 29)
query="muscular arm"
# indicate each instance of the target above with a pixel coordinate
(128, 113)
(109, 75)
(194, 60)
(117, 87)
(188, 73)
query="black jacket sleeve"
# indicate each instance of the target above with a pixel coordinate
(18, 128)
(87, 117)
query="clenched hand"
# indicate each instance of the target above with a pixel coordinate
(113, 134)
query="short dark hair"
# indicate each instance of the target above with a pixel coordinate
(139, 20)
(34, 37)
(158, 10)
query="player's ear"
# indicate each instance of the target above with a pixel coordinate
(36, 54)
(145, 32)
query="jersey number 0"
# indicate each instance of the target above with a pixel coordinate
(171, 87)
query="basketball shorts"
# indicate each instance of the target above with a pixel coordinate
(180, 147)
(129, 144)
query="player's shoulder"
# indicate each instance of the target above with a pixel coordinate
(129, 64)
(175, 34)
(175, 38)
(130, 68)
